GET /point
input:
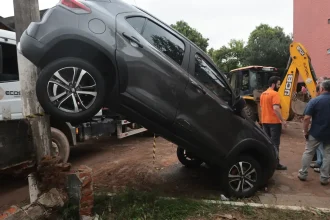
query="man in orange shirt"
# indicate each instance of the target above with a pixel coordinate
(271, 117)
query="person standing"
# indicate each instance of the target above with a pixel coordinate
(319, 149)
(271, 116)
(317, 110)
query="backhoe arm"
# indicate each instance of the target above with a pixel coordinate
(299, 65)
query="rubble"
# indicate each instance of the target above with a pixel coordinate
(77, 184)
(41, 209)
(52, 199)
(52, 173)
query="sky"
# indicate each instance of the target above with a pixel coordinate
(218, 20)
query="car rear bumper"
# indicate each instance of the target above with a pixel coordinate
(30, 48)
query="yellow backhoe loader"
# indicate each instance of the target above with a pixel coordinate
(251, 81)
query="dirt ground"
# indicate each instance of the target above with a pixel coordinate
(129, 163)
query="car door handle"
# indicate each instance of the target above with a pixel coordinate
(198, 87)
(133, 39)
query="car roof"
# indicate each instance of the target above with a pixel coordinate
(252, 67)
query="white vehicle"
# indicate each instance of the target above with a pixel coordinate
(16, 148)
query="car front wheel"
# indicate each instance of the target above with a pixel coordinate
(70, 89)
(242, 177)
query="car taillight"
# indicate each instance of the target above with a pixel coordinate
(75, 4)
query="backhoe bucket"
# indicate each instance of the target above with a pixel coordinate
(298, 106)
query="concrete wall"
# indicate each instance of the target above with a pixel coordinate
(311, 28)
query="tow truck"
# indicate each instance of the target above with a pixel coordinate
(16, 147)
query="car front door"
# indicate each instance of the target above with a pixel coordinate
(205, 117)
(153, 63)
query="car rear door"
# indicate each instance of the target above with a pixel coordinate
(153, 62)
(205, 117)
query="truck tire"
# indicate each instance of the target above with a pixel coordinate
(251, 111)
(60, 145)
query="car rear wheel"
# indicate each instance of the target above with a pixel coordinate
(187, 159)
(242, 177)
(70, 89)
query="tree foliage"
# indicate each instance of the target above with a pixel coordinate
(192, 34)
(228, 57)
(268, 46)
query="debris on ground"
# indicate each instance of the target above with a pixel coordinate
(52, 173)
(43, 208)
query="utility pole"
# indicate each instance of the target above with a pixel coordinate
(27, 11)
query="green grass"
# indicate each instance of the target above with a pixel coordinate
(142, 206)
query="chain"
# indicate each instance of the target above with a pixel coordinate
(154, 150)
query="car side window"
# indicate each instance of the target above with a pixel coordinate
(164, 41)
(137, 23)
(210, 78)
(9, 71)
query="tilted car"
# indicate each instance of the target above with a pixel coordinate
(97, 53)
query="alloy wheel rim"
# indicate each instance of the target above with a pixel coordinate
(242, 177)
(72, 89)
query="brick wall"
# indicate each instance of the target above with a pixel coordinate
(311, 28)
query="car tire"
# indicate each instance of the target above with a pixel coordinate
(232, 179)
(188, 160)
(48, 73)
(60, 145)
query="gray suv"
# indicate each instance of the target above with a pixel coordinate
(106, 53)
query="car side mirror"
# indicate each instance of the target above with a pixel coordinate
(1, 61)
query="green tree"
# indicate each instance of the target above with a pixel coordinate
(192, 34)
(228, 57)
(268, 46)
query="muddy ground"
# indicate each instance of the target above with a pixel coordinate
(129, 163)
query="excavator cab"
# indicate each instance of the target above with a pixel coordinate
(249, 82)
